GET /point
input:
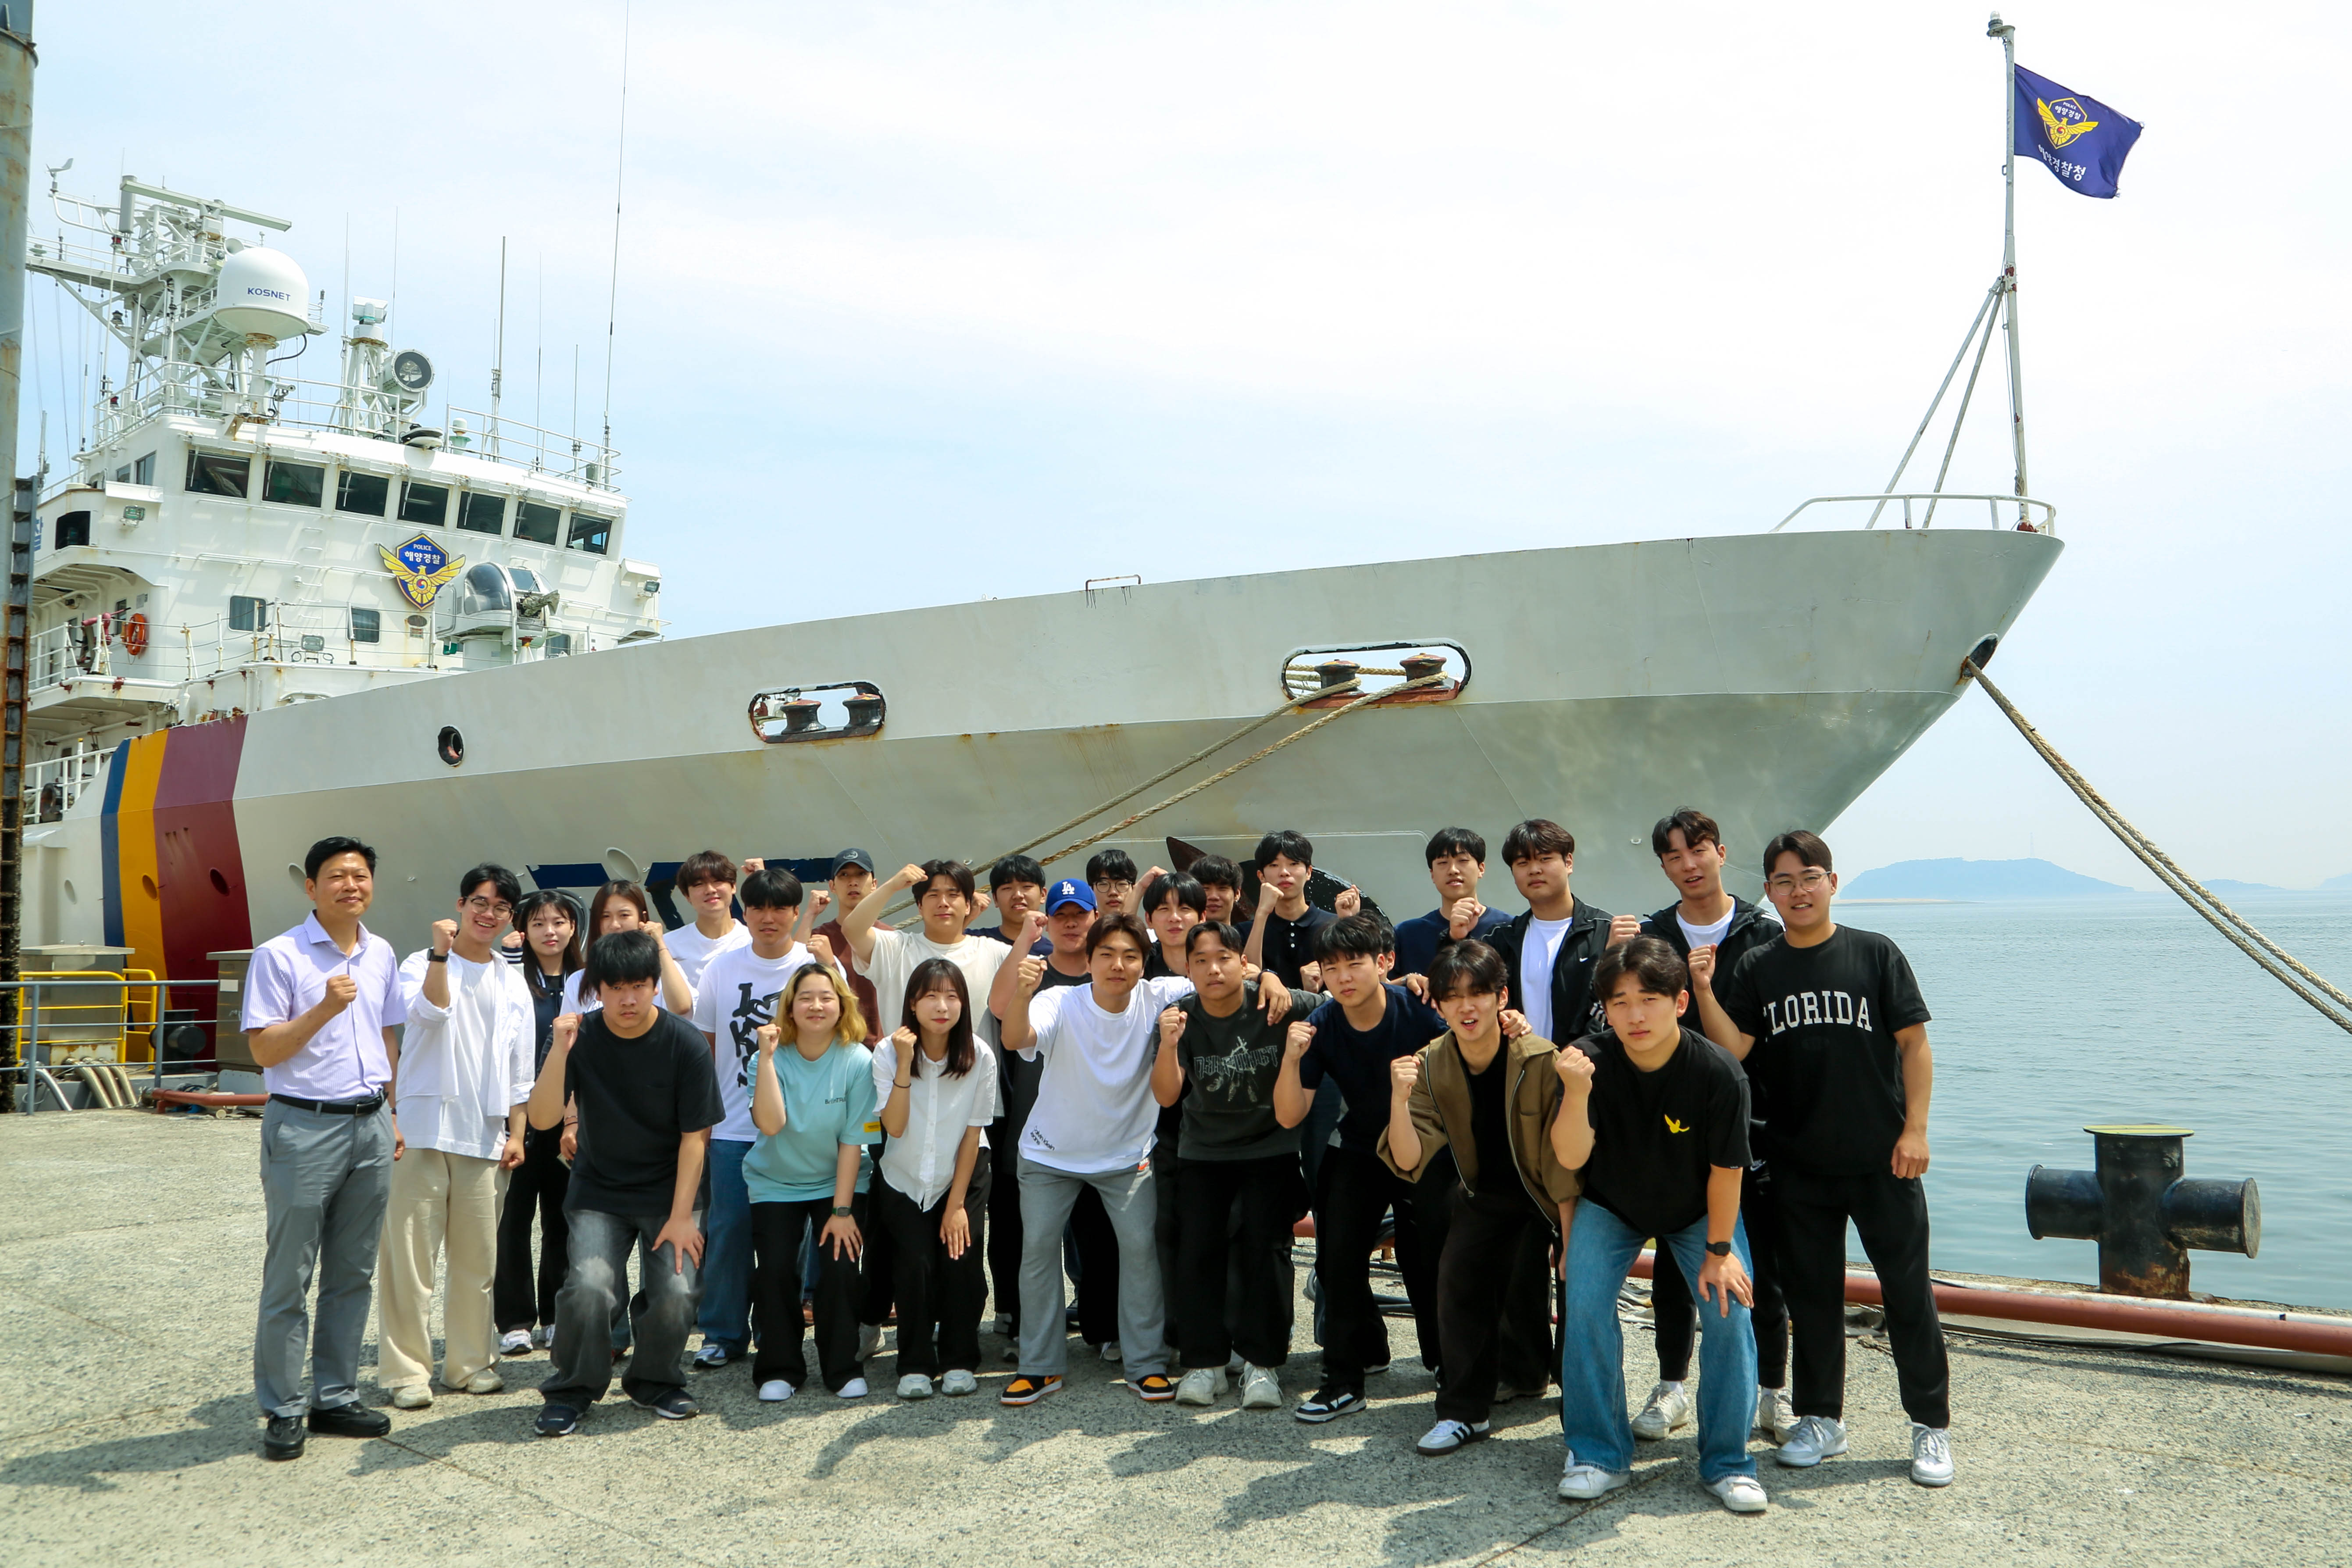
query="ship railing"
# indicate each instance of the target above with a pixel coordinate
(54, 784)
(2023, 514)
(330, 406)
(69, 1020)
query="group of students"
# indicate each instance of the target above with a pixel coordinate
(1140, 1081)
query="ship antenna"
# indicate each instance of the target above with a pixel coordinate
(612, 293)
(498, 349)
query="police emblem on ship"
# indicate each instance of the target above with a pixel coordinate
(420, 568)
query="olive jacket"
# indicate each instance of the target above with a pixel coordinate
(1440, 1107)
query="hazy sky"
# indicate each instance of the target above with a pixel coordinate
(923, 303)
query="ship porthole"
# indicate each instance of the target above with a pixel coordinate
(621, 868)
(451, 745)
(71, 896)
(220, 883)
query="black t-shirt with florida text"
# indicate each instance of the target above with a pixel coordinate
(1824, 1019)
(1658, 1136)
(638, 1098)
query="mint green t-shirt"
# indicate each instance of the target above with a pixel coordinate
(827, 1102)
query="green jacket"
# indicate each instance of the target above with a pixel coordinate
(1440, 1107)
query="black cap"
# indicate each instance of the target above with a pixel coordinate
(857, 857)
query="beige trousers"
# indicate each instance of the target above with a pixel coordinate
(439, 1201)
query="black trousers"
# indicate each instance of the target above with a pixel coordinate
(1004, 1229)
(1353, 1191)
(1677, 1314)
(1096, 1245)
(878, 1270)
(1527, 1356)
(535, 1189)
(1208, 1192)
(1890, 1214)
(777, 1229)
(939, 1297)
(1488, 1237)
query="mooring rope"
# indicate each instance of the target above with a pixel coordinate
(2281, 965)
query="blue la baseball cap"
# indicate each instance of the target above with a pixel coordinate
(1066, 893)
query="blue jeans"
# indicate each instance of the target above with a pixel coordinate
(726, 1316)
(1600, 1250)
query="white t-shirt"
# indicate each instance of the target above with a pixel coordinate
(920, 1162)
(1537, 950)
(694, 951)
(574, 1002)
(1706, 936)
(1094, 1111)
(738, 993)
(898, 953)
(464, 1067)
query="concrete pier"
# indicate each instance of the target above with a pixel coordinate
(129, 1260)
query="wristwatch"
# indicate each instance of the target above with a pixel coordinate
(1720, 1248)
(840, 1212)
(436, 958)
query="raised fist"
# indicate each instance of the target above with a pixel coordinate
(341, 990)
(768, 1035)
(1172, 1025)
(1404, 1073)
(1702, 968)
(444, 933)
(1301, 1036)
(1575, 1069)
(1624, 929)
(566, 1031)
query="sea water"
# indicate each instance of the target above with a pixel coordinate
(2054, 1015)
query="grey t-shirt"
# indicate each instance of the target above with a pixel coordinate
(1229, 1065)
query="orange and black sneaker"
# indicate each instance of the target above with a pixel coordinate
(1028, 1390)
(1155, 1389)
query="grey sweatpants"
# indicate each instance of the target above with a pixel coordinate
(1128, 1197)
(324, 1179)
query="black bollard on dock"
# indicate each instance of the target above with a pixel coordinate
(2142, 1212)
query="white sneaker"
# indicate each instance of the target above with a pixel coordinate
(959, 1383)
(1201, 1385)
(1110, 1352)
(854, 1389)
(515, 1341)
(1816, 1438)
(1449, 1434)
(1261, 1390)
(1234, 1365)
(545, 1336)
(1774, 1416)
(1668, 1407)
(486, 1381)
(415, 1396)
(1740, 1494)
(709, 1356)
(1580, 1482)
(869, 1341)
(1931, 1455)
(914, 1386)
(775, 1391)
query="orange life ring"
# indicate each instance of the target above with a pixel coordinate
(134, 635)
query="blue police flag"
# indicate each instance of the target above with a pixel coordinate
(2079, 140)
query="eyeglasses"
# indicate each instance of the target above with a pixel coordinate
(500, 911)
(1811, 883)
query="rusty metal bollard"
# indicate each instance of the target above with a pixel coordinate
(2142, 1212)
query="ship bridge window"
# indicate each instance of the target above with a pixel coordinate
(839, 710)
(73, 528)
(367, 625)
(365, 494)
(248, 615)
(590, 532)
(486, 589)
(1320, 675)
(428, 504)
(480, 513)
(218, 474)
(295, 484)
(122, 475)
(525, 580)
(142, 472)
(536, 521)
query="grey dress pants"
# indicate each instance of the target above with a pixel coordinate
(324, 1180)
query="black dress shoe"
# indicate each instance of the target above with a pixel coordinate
(283, 1438)
(350, 1421)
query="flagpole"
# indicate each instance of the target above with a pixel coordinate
(2006, 34)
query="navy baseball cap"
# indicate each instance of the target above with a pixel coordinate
(1066, 893)
(857, 857)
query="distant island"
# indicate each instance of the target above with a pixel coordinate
(2338, 884)
(1976, 879)
(2224, 885)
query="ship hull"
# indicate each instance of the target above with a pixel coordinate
(1764, 678)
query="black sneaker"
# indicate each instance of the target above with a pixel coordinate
(1376, 1370)
(672, 1404)
(557, 1421)
(1329, 1404)
(350, 1421)
(283, 1438)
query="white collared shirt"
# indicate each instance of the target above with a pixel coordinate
(464, 1067)
(921, 1162)
(288, 976)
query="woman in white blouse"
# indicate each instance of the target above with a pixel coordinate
(936, 1092)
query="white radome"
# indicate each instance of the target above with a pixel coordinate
(262, 292)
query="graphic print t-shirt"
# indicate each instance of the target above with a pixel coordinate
(738, 993)
(1655, 1135)
(1824, 1019)
(1229, 1065)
